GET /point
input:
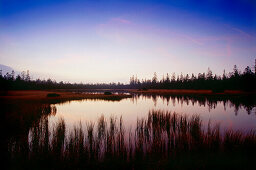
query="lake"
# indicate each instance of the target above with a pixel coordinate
(230, 112)
(237, 113)
(153, 127)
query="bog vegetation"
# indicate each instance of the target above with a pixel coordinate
(162, 140)
(235, 80)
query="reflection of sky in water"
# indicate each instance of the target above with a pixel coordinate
(132, 109)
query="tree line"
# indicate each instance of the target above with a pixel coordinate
(23, 81)
(236, 80)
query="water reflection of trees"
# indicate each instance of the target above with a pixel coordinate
(18, 118)
(237, 102)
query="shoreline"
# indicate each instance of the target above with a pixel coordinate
(76, 94)
(191, 92)
(41, 96)
(165, 91)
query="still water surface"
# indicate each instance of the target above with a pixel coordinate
(228, 113)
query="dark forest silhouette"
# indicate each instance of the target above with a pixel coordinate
(235, 80)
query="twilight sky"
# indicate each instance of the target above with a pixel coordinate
(109, 41)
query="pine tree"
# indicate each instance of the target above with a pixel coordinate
(209, 74)
(154, 79)
(235, 71)
(27, 76)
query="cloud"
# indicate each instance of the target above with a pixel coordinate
(243, 33)
(121, 20)
(190, 38)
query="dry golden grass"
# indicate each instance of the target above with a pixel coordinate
(41, 95)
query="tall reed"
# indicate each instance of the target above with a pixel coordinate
(160, 138)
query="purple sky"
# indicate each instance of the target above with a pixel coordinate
(109, 41)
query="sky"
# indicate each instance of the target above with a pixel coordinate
(109, 41)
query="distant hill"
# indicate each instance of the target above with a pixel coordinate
(5, 69)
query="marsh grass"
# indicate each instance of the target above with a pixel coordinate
(162, 140)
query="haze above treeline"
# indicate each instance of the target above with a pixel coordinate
(4, 69)
(235, 80)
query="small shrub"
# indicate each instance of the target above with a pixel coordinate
(53, 95)
(107, 93)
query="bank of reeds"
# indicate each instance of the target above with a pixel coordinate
(162, 140)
